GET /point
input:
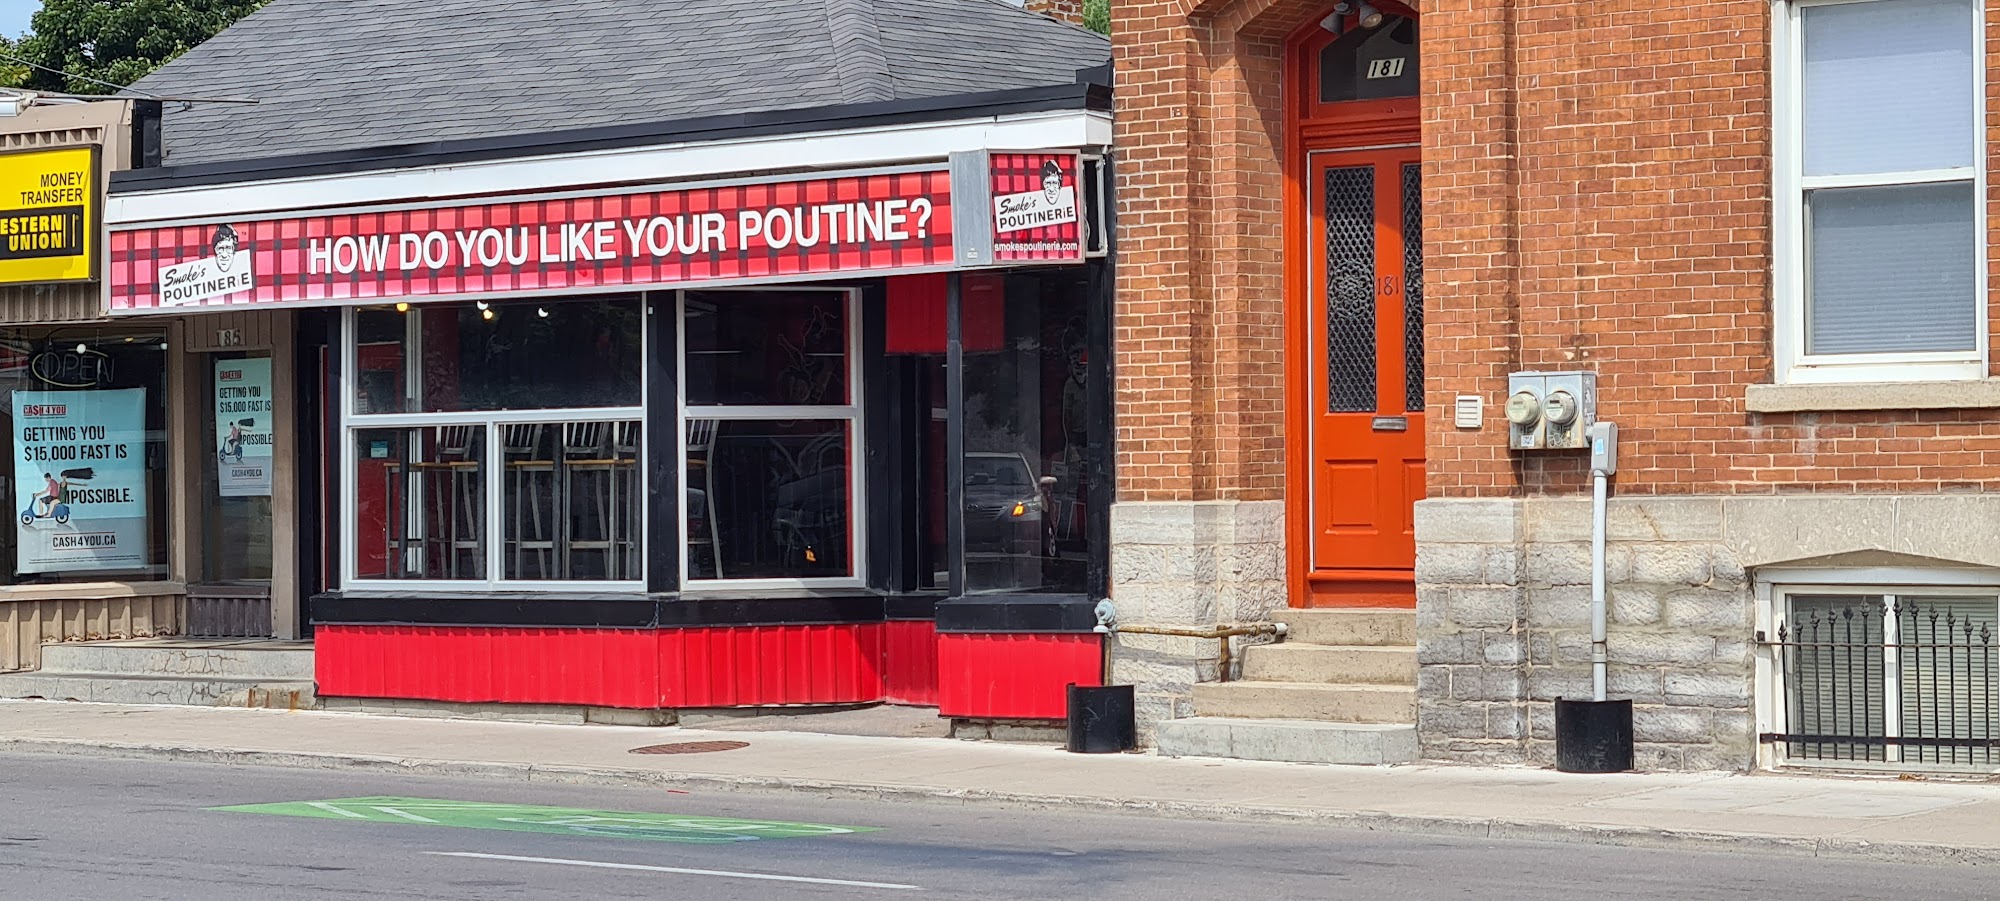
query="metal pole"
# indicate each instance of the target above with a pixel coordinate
(1597, 529)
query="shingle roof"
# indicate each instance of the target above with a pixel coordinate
(334, 74)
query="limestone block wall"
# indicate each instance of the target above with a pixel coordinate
(1188, 563)
(1503, 599)
(1503, 626)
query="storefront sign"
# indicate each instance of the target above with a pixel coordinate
(243, 427)
(1036, 214)
(48, 216)
(766, 231)
(80, 480)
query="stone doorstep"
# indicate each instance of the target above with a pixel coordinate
(1330, 664)
(1295, 701)
(119, 688)
(219, 663)
(1346, 627)
(1293, 741)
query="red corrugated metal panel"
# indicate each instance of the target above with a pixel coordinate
(1014, 675)
(910, 668)
(746, 666)
(596, 667)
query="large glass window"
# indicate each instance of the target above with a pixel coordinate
(1026, 433)
(86, 429)
(770, 435)
(506, 450)
(1884, 210)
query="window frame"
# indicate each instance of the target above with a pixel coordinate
(493, 477)
(1791, 293)
(1775, 590)
(849, 412)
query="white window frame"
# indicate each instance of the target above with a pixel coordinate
(850, 412)
(1789, 290)
(494, 476)
(1775, 589)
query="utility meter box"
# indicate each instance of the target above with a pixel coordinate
(1550, 410)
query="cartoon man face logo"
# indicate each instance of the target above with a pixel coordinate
(225, 247)
(1052, 181)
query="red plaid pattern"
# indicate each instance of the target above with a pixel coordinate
(1020, 173)
(282, 248)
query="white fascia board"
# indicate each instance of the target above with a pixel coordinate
(828, 150)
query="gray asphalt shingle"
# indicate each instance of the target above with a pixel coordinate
(335, 74)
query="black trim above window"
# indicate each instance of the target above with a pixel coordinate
(909, 111)
(617, 611)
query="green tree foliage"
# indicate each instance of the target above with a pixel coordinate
(1097, 15)
(12, 74)
(118, 41)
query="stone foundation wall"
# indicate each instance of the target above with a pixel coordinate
(1503, 626)
(1503, 609)
(1188, 563)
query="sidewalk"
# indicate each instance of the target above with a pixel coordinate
(1877, 819)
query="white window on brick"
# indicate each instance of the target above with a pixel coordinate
(1881, 244)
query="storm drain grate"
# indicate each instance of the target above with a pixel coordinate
(692, 747)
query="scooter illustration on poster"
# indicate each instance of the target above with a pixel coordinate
(232, 444)
(49, 503)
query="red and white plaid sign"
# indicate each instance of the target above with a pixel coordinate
(1037, 208)
(767, 231)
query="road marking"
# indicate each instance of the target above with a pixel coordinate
(332, 809)
(684, 871)
(644, 826)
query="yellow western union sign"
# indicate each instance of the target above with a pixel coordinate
(48, 215)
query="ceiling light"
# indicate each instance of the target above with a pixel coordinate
(480, 304)
(402, 308)
(542, 312)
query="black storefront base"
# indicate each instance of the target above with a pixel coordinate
(1101, 719)
(1593, 736)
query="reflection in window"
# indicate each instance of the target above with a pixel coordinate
(768, 499)
(501, 356)
(766, 348)
(420, 502)
(1370, 63)
(571, 500)
(1026, 432)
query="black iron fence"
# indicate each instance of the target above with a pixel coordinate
(1898, 682)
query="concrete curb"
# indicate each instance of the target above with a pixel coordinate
(1495, 828)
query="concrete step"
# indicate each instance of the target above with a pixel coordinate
(1296, 701)
(1374, 627)
(1330, 664)
(1296, 741)
(119, 688)
(223, 660)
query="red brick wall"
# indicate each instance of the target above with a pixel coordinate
(1597, 182)
(1066, 10)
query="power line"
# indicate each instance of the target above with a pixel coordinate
(98, 81)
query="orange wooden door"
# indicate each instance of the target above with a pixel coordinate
(1364, 391)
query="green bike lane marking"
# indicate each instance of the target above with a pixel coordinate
(658, 827)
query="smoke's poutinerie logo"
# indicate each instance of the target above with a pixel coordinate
(226, 271)
(1053, 204)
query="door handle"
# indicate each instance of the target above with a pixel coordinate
(1391, 423)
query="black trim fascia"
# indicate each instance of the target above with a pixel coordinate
(1100, 450)
(888, 113)
(617, 611)
(662, 448)
(1068, 613)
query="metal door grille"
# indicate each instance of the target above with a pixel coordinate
(1350, 289)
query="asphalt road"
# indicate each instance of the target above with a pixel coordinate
(78, 828)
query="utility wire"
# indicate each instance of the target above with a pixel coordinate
(34, 65)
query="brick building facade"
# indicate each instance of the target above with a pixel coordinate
(1807, 404)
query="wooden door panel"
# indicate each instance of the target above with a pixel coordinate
(1363, 329)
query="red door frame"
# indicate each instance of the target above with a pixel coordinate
(1311, 126)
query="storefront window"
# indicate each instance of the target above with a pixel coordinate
(238, 467)
(87, 433)
(770, 435)
(1026, 430)
(436, 444)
